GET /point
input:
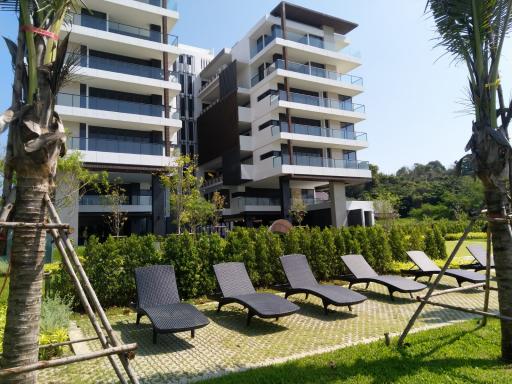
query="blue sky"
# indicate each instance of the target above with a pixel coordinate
(414, 97)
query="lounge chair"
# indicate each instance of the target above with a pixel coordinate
(301, 280)
(480, 255)
(362, 272)
(236, 287)
(426, 267)
(158, 299)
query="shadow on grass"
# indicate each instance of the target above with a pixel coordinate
(315, 310)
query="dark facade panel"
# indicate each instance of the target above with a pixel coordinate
(217, 130)
(231, 167)
(228, 80)
(158, 205)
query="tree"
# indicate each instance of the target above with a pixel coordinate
(298, 211)
(474, 31)
(36, 140)
(218, 200)
(116, 217)
(187, 202)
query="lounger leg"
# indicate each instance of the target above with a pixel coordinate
(326, 311)
(350, 308)
(367, 285)
(350, 285)
(286, 294)
(219, 307)
(192, 333)
(249, 317)
(410, 294)
(154, 336)
(391, 294)
(430, 278)
(459, 281)
(416, 278)
(139, 315)
(307, 295)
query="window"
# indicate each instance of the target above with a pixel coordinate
(182, 83)
(265, 94)
(181, 59)
(183, 149)
(183, 131)
(268, 124)
(182, 106)
(191, 150)
(269, 154)
(190, 89)
(189, 60)
(191, 131)
(316, 41)
(191, 107)
(350, 155)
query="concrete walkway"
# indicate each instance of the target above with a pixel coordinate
(228, 345)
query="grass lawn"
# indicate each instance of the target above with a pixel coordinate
(462, 353)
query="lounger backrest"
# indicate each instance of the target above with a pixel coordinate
(233, 279)
(423, 262)
(156, 285)
(479, 253)
(297, 270)
(358, 266)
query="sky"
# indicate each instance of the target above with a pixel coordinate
(415, 97)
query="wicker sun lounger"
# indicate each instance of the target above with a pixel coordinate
(236, 287)
(479, 253)
(158, 299)
(302, 280)
(426, 267)
(362, 272)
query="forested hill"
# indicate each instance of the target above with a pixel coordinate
(429, 190)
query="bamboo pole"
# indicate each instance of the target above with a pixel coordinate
(440, 275)
(85, 302)
(483, 322)
(16, 224)
(468, 310)
(68, 342)
(90, 290)
(458, 289)
(121, 349)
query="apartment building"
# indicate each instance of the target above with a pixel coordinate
(190, 62)
(119, 110)
(278, 121)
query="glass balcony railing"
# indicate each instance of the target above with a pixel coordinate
(307, 70)
(107, 200)
(116, 146)
(302, 38)
(337, 133)
(242, 202)
(119, 66)
(94, 22)
(172, 5)
(113, 105)
(301, 98)
(319, 161)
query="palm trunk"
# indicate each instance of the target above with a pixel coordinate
(502, 249)
(20, 345)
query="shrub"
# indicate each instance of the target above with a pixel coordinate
(211, 250)
(470, 236)
(379, 243)
(431, 245)
(416, 241)
(397, 243)
(240, 247)
(439, 242)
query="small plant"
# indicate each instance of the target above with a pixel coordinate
(116, 217)
(298, 211)
(55, 314)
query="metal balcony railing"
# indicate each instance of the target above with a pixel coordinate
(319, 161)
(337, 133)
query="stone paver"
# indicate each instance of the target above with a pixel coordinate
(228, 345)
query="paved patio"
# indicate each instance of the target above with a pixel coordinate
(227, 344)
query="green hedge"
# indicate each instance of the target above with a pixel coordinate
(110, 265)
(471, 236)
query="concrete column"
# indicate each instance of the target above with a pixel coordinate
(158, 206)
(338, 204)
(284, 186)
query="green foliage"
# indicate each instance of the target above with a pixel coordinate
(397, 243)
(470, 236)
(422, 191)
(110, 265)
(55, 314)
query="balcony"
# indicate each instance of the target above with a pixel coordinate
(116, 146)
(106, 200)
(308, 70)
(300, 98)
(98, 23)
(301, 129)
(119, 66)
(319, 161)
(113, 105)
(301, 38)
(171, 5)
(247, 203)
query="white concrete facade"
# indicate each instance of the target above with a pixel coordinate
(119, 109)
(296, 117)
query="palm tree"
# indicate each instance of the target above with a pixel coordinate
(35, 142)
(473, 31)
